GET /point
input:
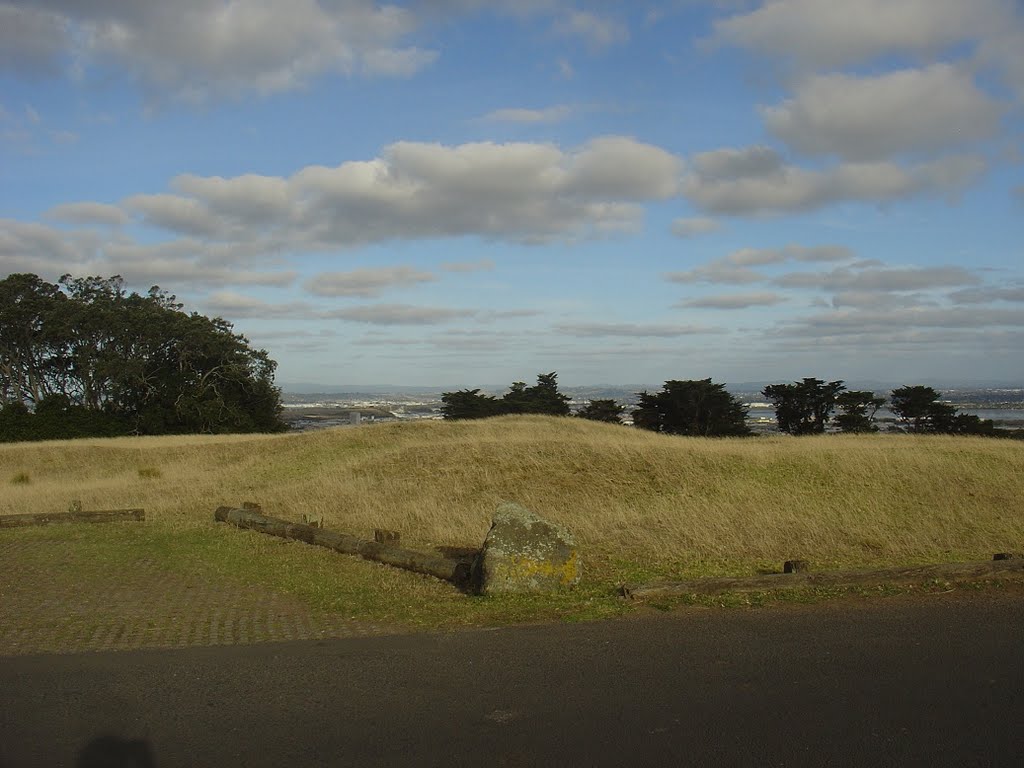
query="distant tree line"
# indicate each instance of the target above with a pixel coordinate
(704, 408)
(543, 398)
(806, 408)
(84, 357)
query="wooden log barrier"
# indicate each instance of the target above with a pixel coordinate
(78, 516)
(454, 570)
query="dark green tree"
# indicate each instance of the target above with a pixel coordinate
(698, 408)
(30, 346)
(602, 410)
(920, 410)
(858, 409)
(542, 398)
(90, 356)
(469, 404)
(804, 407)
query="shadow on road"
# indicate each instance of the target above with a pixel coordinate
(112, 752)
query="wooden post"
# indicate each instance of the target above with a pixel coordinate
(101, 516)
(456, 571)
(384, 536)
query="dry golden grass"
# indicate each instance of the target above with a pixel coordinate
(640, 504)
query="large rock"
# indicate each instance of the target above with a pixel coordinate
(525, 553)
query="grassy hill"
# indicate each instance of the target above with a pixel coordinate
(641, 505)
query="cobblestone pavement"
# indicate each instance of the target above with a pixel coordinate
(143, 606)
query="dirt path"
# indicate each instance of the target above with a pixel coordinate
(84, 607)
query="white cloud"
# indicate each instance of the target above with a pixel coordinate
(848, 322)
(481, 265)
(731, 164)
(518, 191)
(880, 300)
(404, 62)
(31, 39)
(50, 252)
(235, 305)
(752, 257)
(596, 31)
(884, 279)
(208, 48)
(692, 227)
(554, 114)
(734, 268)
(716, 272)
(733, 301)
(617, 167)
(871, 118)
(826, 34)
(632, 330)
(400, 314)
(756, 181)
(89, 213)
(988, 294)
(179, 214)
(366, 283)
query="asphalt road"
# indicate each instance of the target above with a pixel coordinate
(927, 680)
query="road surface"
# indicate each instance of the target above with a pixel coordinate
(931, 680)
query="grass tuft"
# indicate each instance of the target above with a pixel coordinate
(150, 473)
(21, 478)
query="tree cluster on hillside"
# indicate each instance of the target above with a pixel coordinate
(607, 411)
(542, 398)
(806, 408)
(697, 408)
(86, 357)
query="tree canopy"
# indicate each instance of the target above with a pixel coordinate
(543, 398)
(920, 410)
(602, 410)
(804, 407)
(87, 352)
(858, 411)
(698, 408)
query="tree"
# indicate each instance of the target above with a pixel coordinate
(88, 357)
(469, 404)
(698, 408)
(544, 398)
(804, 407)
(602, 410)
(919, 409)
(858, 411)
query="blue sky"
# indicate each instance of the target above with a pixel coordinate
(469, 191)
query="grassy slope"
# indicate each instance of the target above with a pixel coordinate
(642, 505)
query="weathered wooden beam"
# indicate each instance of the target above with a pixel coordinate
(456, 571)
(985, 569)
(99, 516)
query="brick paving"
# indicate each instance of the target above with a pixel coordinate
(43, 610)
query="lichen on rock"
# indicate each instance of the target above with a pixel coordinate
(523, 552)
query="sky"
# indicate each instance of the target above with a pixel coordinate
(466, 192)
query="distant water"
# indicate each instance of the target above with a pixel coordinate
(997, 415)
